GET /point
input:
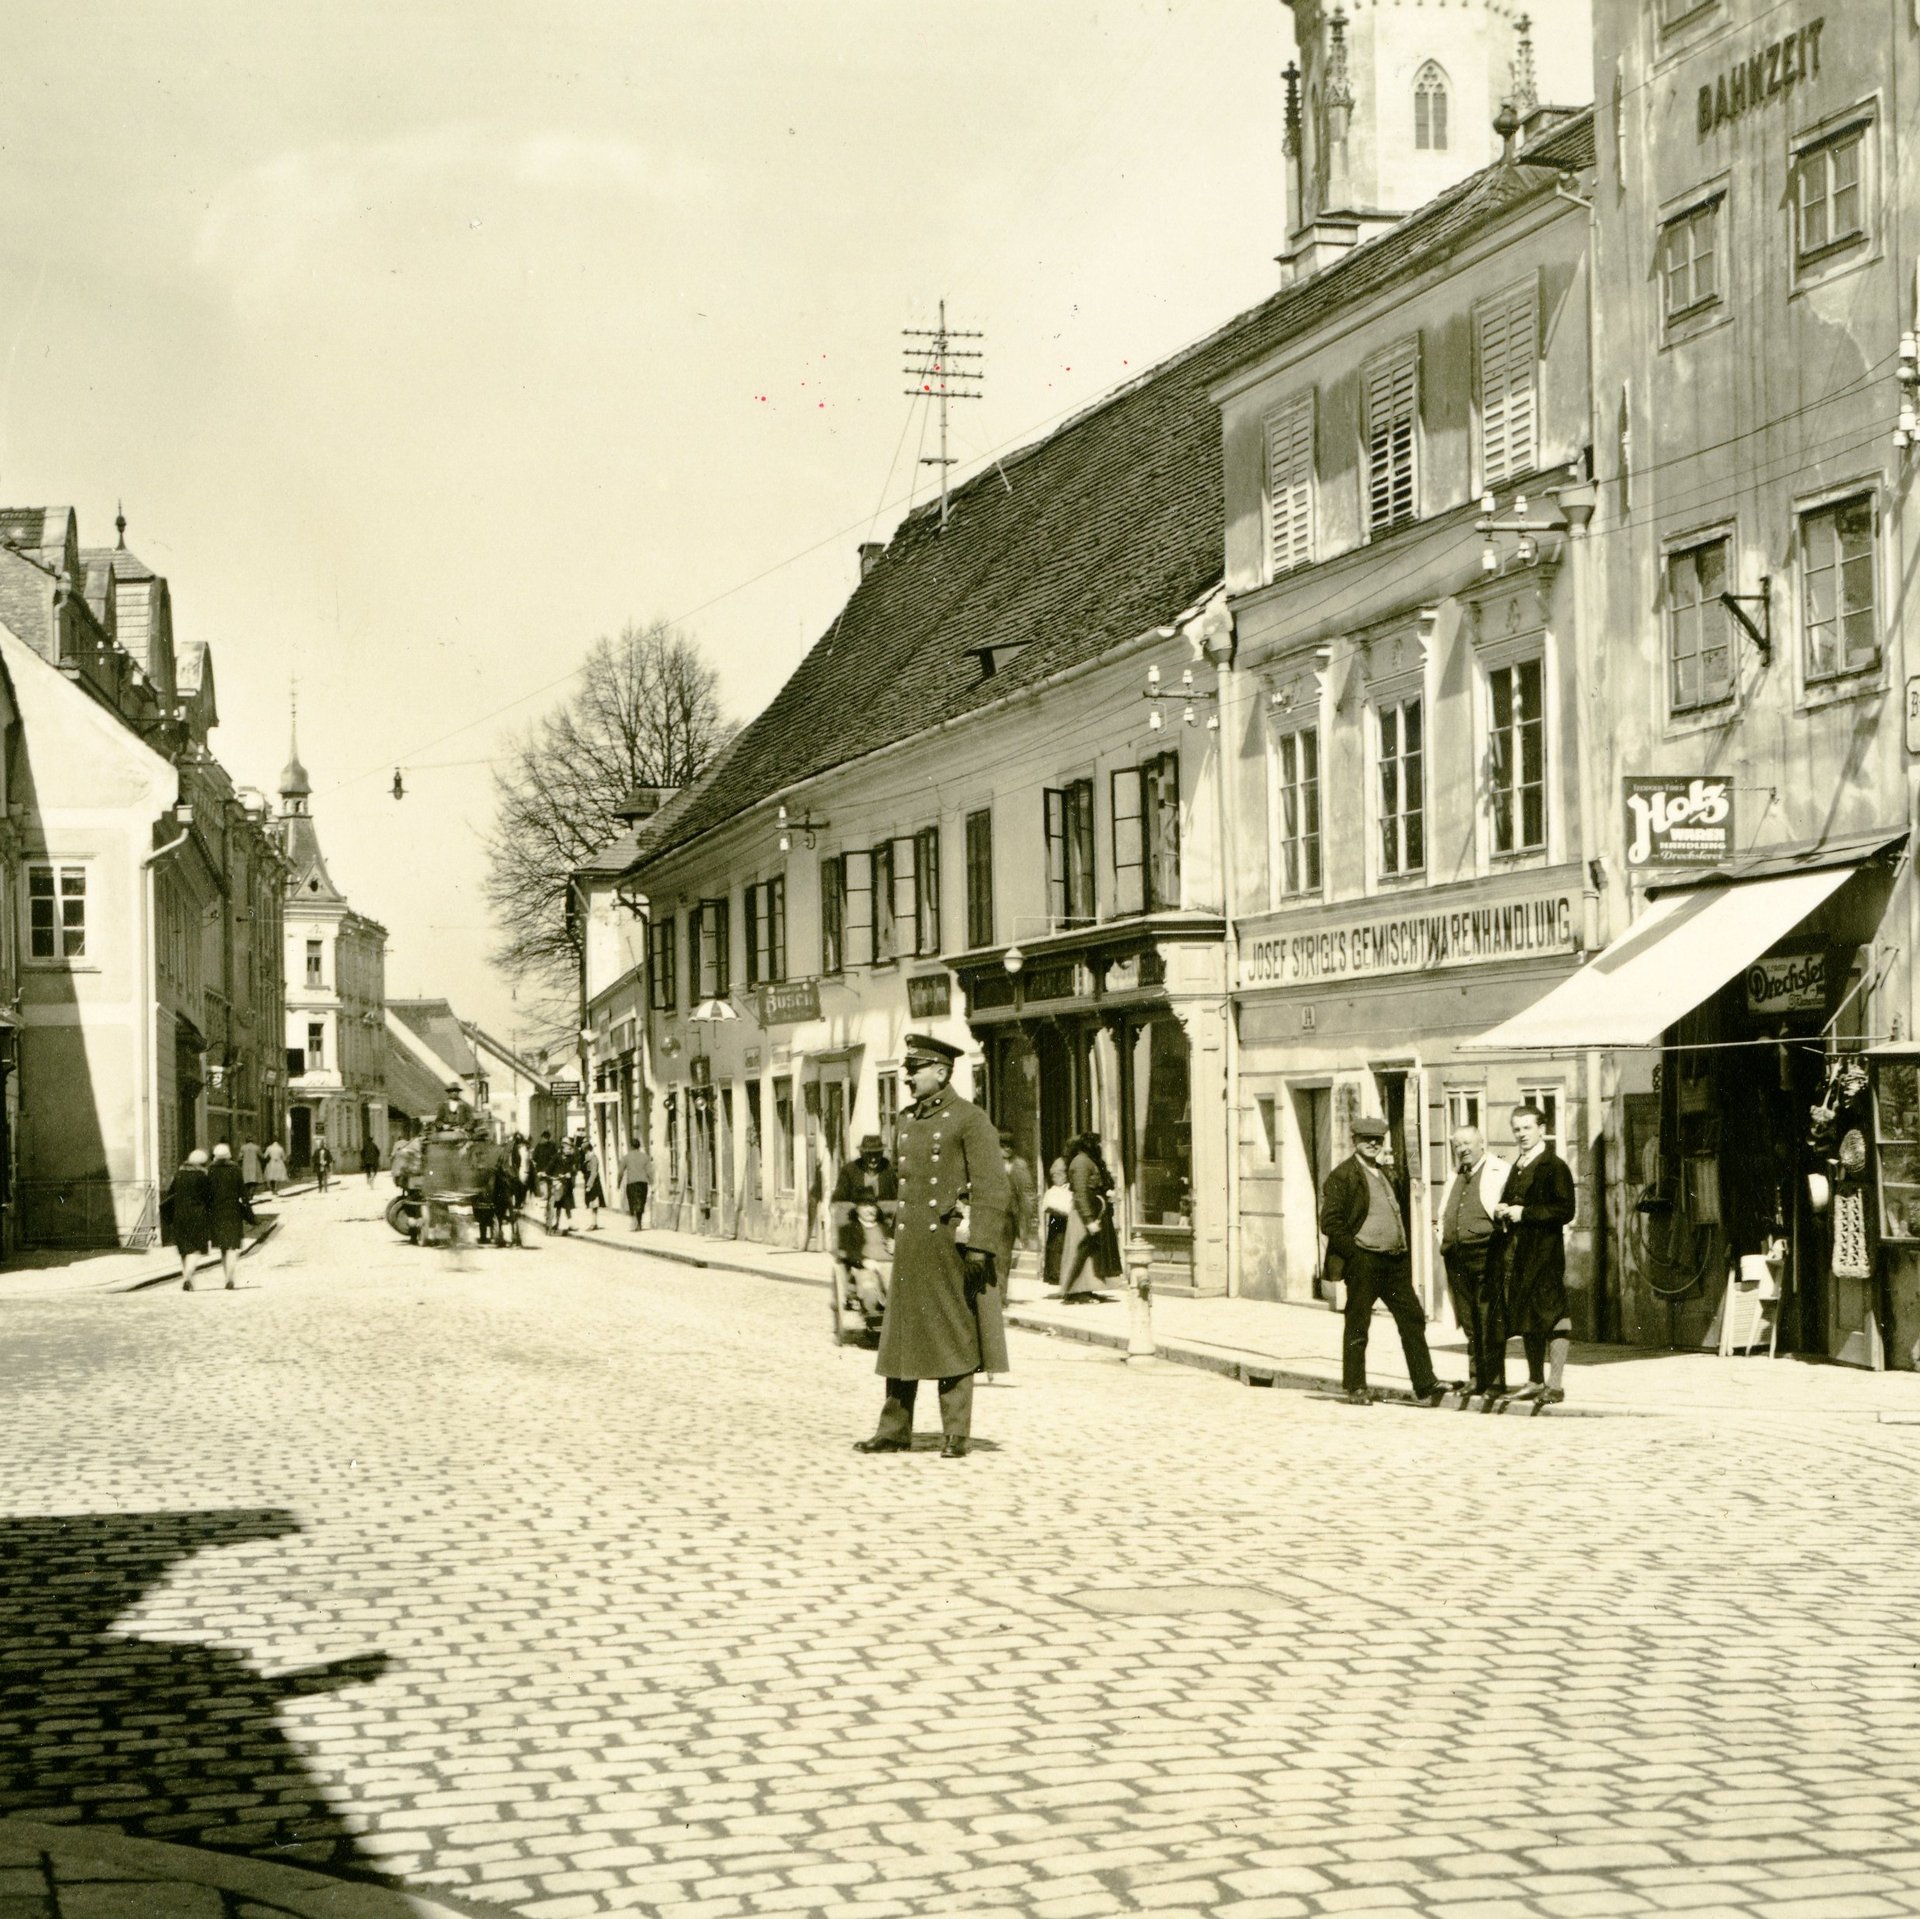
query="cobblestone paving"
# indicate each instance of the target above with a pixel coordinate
(547, 1580)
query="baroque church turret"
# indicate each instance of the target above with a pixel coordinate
(1393, 101)
(336, 995)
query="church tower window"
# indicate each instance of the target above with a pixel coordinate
(1430, 109)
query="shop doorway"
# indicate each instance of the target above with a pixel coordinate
(300, 1123)
(1313, 1128)
(1066, 1086)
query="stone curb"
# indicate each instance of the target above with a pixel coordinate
(295, 1889)
(1248, 1369)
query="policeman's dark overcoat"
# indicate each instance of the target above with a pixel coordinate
(939, 1324)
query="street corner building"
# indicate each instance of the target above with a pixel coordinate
(1469, 679)
(140, 928)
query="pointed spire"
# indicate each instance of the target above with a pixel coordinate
(1526, 84)
(1290, 136)
(120, 523)
(295, 787)
(1339, 93)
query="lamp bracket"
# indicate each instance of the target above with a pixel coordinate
(1761, 635)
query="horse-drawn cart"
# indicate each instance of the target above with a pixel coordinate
(446, 1195)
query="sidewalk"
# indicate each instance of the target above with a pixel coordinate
(46, 1272)
(1268, 1344)
(52, 1871)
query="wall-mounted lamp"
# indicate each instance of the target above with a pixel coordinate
(1574, 503)
(1013, 959)
(1186, 693)
(788, 826)
(1907, 374)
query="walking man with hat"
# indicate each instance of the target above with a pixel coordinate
(1361, 1217)
(951, 1250)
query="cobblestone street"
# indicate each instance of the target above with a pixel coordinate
(547, 1581)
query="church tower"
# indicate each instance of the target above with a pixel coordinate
(1392, 101)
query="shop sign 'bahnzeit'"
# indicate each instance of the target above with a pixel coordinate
(1412, 943)
(1677, 820)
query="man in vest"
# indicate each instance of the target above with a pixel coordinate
(1361, 1217)
(1467, 1229)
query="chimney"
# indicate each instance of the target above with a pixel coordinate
(870, 552)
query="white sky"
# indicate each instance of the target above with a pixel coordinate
(427, 342)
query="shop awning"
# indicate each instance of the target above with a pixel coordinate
(1681, 950)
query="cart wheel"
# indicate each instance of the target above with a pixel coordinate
(397, 1216)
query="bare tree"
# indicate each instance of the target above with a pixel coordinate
(645, 713)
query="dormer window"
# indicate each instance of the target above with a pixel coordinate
(1430, 109)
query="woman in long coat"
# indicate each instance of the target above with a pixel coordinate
(192, 1215)
(1092, 1187)
(228, 1211)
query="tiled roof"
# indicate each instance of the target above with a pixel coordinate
(1110, 526)
(434, 1022)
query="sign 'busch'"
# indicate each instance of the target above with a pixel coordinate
(1679, 821)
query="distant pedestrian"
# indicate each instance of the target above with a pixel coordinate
(1056, 1208)
(276, 1168)
(1084, 1256)
(250, 1168)
(323, 1165)
(1026, 1200)
(229, 1211)
(1535, 1210)
(192, 1216)
(560, 1185)
(1361, 1218)
(636, 1175)
(508, 1193)
(546, 1157)
(593, 1194)
(369, 1157)
(1467, 1232)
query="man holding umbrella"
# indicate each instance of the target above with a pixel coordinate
(951, 1250)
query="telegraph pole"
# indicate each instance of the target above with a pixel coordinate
(945, 372)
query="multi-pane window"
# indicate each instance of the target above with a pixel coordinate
(980, 879)
(886, 1089)
(56, 912)
(1547, 1100)
(662, 977)
(1297, 766)
(1403, 826)
(1699, 636)
(926, 893)
(1290, 486)
(1690, 261)
(313, 963)
(316, 1045)
(708, 958)
(1146, 836)
(886, 905)
(1069, 823)
(1517, 754)
(1430, 110)
(1837, 588)
(1463, 1108)
(1829, 195)
(857, 904)
(767, 932)
(1507, 342)
(833, 897)
(1393, 405)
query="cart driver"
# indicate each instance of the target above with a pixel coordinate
(453, 1114)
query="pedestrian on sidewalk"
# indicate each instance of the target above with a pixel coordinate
(1361, 1218)
(944, 1318)
(323, 1165)
(636, 1175)
(369, 1157)
(546, 1157)
(1467, 1232)
(276, 1168)
(250, 1168)
(560, 1185)
(592, 1193)
(230, 1213)
(1056, 1208)
(192, 1216)
(1085, 1255)
(1536, 1208)
(1026, 1201)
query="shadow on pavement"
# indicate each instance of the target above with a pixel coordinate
(162, 1739)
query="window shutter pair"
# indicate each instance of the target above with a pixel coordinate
(906, 899)
(857, 907)
(1129, 847)
(1056, 823)
(1509, 388)
(1290, 486)
(1393, 399)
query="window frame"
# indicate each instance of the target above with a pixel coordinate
(316, 1056)
(1430, 79)
(766, 910)
(979, 845)
(1710, 205)
(59, 869)
(1384, 375)
(1501, 324)
(1551, 1097)
(1404, 868)
(1850, 130)
(714, 954)
(1681, 547)
(316, 963)
(886, 904)
(663, 979)
(1291, 431)
(1831, 505)
(1072, 848)
(833, 915)
(1499, 755)
(926, 892)
(1300, 787)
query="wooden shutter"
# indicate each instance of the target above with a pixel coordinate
(926, 929)
(722, 955)
(831, 897)
(857, 905)
(1080, 850)
(1393, 397)
(886, 928)
(1160, 793)
(1056, 818)
(906, 893)
(1290, 486)
(1509, 388)
(1129, 855)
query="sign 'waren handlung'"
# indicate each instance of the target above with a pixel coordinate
(1413, 943)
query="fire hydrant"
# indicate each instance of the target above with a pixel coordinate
(1139, 1300)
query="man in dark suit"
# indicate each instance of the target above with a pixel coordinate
(1361, 1218)
(1534, 1212)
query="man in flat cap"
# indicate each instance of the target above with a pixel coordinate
(1361, 1217)
(950, 1255)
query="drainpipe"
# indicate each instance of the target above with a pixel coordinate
(150, 1118)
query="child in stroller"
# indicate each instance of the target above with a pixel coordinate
(865, 1201)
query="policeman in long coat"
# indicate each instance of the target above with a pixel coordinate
(944, 1311)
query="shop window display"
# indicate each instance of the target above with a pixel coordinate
(1163, 1128)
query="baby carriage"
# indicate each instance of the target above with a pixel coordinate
(862, 1268)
